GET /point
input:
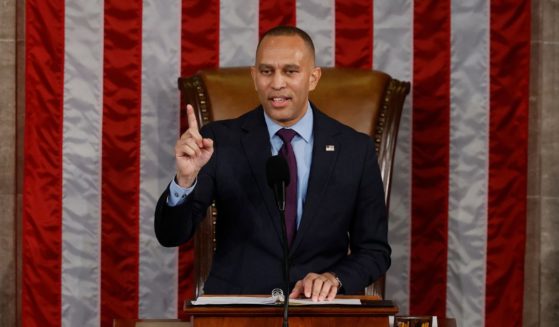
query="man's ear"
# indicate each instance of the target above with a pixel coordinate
(253, 74)
(314, 78)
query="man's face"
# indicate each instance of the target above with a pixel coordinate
(283, 75)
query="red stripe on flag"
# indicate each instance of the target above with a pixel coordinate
(508, 144)
(430, 157)
(42, 184)
(121, 160)
(354, 34)
(199, 49)
(274, 13)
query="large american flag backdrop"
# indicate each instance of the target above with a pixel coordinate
(102, 116)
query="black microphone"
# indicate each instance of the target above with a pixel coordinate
(277, 172)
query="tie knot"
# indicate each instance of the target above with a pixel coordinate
(286, 135)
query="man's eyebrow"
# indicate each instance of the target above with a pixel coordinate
(291, 67)
(285, 67)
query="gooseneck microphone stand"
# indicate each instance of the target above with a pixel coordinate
(285, 263)
(277, 172)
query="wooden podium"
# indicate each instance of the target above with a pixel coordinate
(372, 312)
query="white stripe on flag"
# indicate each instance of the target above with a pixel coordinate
(238, 33)
(81, 167)
(316, 17)
(161, 30)
(393, 54)
(469, 125)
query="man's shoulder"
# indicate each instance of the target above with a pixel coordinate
(342, 130)
(232, 124)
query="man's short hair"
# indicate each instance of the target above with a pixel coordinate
(285, 30)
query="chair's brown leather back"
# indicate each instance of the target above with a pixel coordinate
(369, 101)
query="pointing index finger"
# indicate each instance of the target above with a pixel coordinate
(192, 122)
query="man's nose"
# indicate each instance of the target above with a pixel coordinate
(278, 81)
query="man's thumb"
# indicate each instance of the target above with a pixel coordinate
(208, 143)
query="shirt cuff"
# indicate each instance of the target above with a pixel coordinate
(178, 194)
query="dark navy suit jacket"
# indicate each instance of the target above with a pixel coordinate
(344, 208)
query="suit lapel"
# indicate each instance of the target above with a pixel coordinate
(257, 149)
(325, 153)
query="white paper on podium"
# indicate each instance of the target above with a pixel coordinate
(255, 300)
(226, 300)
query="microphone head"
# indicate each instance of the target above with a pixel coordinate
(277, 171)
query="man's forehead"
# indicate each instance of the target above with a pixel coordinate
(278, 65)
(282, 37)
(283, 58)
(294, 41)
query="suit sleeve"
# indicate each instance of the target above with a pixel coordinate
(369, 256)
(176, 225)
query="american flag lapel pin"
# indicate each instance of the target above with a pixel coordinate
(330, 148)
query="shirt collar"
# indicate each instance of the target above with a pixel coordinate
(303, 127)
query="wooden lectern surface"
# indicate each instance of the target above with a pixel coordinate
(178, 323)
(367, 314)
(308, 316)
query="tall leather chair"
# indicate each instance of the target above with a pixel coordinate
(369, 101)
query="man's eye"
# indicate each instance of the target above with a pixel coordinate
(291, 72)
(265, 72)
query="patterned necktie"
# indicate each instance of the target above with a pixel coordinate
(286, 152)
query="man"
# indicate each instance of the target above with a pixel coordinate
(338, 196)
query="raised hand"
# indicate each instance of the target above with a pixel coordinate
(192, 151)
